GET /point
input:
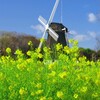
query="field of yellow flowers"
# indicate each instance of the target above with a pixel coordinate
(66, 77)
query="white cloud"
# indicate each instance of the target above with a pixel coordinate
(92, 34)
(73, 32)
(81, 38)
(84, 37)
(38, 28)
(92, 17)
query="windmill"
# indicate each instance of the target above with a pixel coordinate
(53, 34)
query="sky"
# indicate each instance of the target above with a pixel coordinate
(81, 17)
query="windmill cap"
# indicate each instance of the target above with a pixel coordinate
(58, 27)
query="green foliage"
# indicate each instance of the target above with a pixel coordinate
(68, 77)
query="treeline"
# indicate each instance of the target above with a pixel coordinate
(90, 54)
(15, 41)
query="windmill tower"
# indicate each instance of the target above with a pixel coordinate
(56, 31)
(60, 29)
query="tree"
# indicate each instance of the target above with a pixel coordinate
(16, 41)
(90, 54)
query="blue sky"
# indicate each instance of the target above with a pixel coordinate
(82, 17)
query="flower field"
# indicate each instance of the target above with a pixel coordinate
(60, 75)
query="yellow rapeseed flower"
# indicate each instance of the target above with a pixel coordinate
(51, 66)
(30, 43)
(63, 75)
(75, 96)
(66, 49)
(21, 66)
(38, 85)
(39, 92)
(75, 42)
(42, 40)
(84, 89)
(40, 55)
(45, 49)
(8, 50)
(43, 98)
(60, 94)
(10, 87)
(18, 52)
(22, 91)
(32, 94)
(58, 46)
(54, 81)
(29, 53)
(71, 41)
(38, 50)
(53, 73)
(95, 95)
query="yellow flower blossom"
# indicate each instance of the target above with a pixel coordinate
(75, 96)
(18, 52)
(46, 50)
(51, 66)
(95, 95)
(63, 75)
(32, 94)
(43, 98)
(58, 46)
(10, 87)
(40, 55)
(38, 50)
(53, 73)
(71, 41)
(22, 91)
(66, 49)
(39, 92)
(84, 89)
(60, 94)
(21, 66)
(29, 53)
(38, 85)
(42, 40)
(54, 81)
(75, 42)
(8, 50)
(30, 43)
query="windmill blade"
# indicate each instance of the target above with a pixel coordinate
(53, 11)
(41, 42)
(53, 34)
(42, 21)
